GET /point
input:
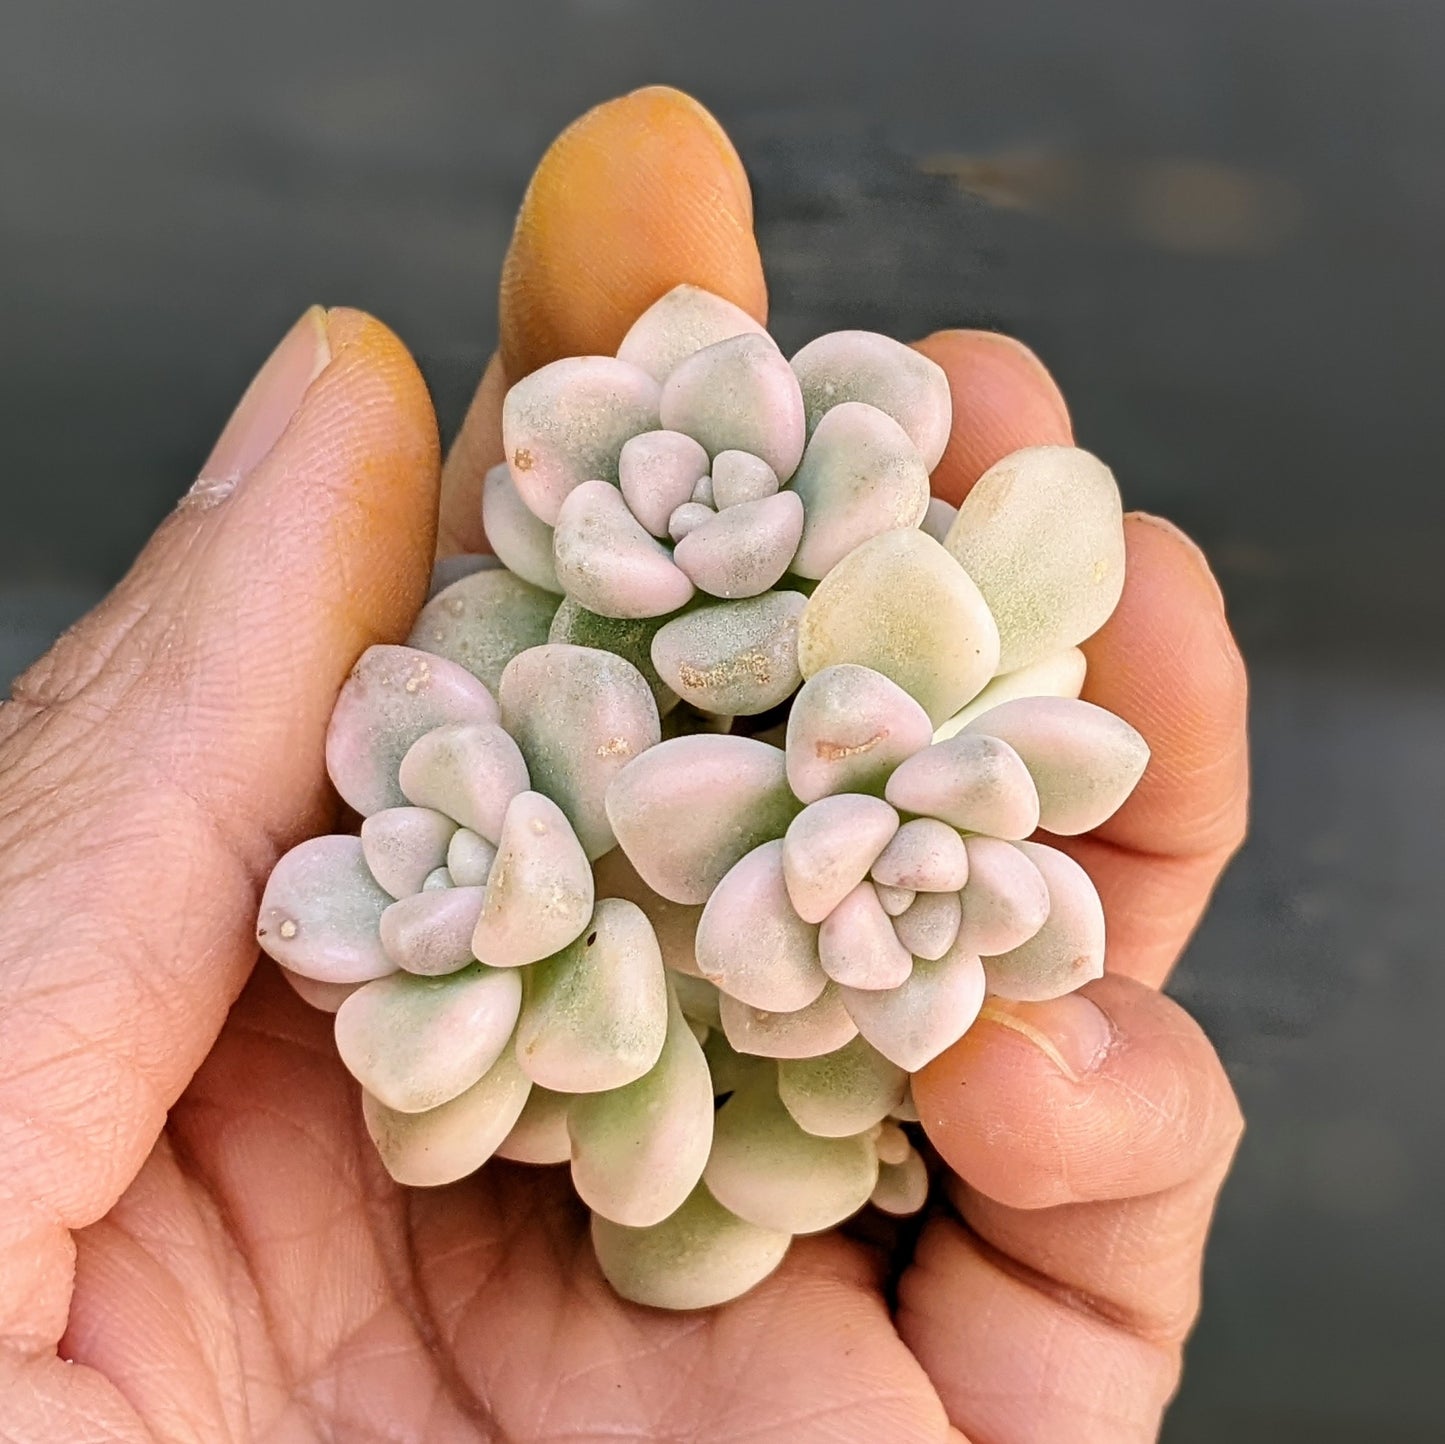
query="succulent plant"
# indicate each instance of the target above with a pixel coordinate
(708, 811)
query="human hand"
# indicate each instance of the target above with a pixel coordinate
(243, 1269)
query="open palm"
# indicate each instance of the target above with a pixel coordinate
(196, 1240)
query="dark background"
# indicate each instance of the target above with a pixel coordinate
(1220, 223)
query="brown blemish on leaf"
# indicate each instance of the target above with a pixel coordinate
(523, 460)
(837, 751)
(755, 665)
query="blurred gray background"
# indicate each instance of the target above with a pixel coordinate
(1219, 222)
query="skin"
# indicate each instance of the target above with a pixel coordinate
(196, 1242)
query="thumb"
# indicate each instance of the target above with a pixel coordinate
(158, 758)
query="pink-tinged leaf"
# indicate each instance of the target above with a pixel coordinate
(849, 727)
(752, 944)
(393, 696)
(566, 423)
(1006, 899)
(977, 784)
(686, 810)
(1084, 760)
(321, 912)
(1068, 951)
(739, 395)
(539, 894)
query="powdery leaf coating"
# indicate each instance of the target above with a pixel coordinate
(403, 844)
(595, 1014)
(848, 728)
(609, 562)
(738, 395)
(1006, 900)
(392, 696)
(752, 944)
(929, 927)
(895, 900)
(657, 472)
(857, 945)
(925, 855)
(324, 997)
(829, 847)
(683, 321)
(938, 519)
(1084, 760)
(1068, 951)
(540, 890)
(425, 1150)
(745, 549)
(566, 424)
(579, 716)
(766, 1169)
(1060, 674)
(976, 783)
(438, 879)
(482, 621)
(864, 366)
(739, 476)
(639, 1151)
(902, 1188)
(627, 637)
(913, 1024)
(902, 606)
(320, 912)
(469, 858)
(430, 932)
(734, 659)
(469, 770)
(842, 1093)
(686, 810)
(416, 1043)
(1042, 534)
(540, 1133)
(696, 1258)
(521, 540)
(819, 1028)
(860, 476)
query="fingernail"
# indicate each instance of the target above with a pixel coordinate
(1073, 1031)
(264, 412)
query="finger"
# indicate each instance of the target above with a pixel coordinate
(1090, 1136)
(169, 746)
(1167, 663)
(639, 195)
(1003, 400)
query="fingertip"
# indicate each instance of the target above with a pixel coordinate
(639, 195)
(1012, 1114)
(1004, 399)
(333, 532)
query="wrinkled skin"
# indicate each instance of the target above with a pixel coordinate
(196, 1242)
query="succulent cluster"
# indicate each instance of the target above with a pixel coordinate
(706, 812)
